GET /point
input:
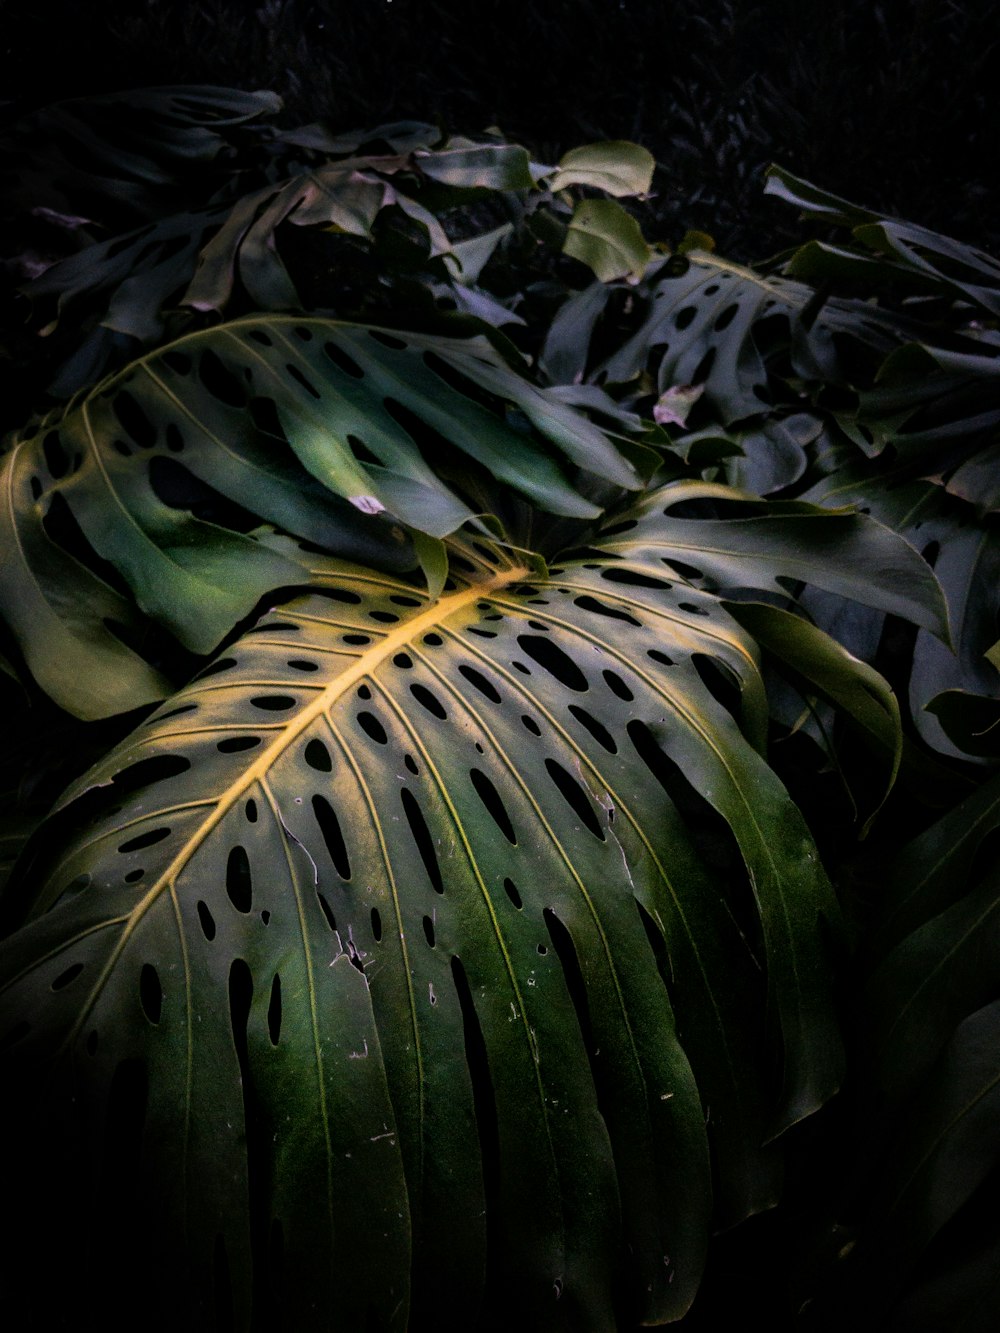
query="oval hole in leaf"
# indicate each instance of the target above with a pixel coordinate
(575, 797)
(298, 376)
(387, 340)
(150, 993)
(634, 579)
(56, 457)
(317, 756)
(274, 1011)
(331, 920)
(216, 668)
(206, 920)
(422, 838)
(220, 382)
(478, 681)
(145, 840)
(66, 978)
(61, 527)
(134, 420)
(372, 728)
(493, 802)
(329, 827)
(483, 1095)
(342, 361)
(720, 681)
(617, 686)
(239, 885)
(599, 732)
(588, 603)
(555, 661)
(428, 700)
(726, 318)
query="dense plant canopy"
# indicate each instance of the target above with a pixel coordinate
(503, 770)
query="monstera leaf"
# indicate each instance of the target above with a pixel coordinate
(712, 323)
(123, 291)
(142, 499)
(189, 205)
(425, 944)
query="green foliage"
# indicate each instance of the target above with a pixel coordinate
(481, 909)
(166, 470)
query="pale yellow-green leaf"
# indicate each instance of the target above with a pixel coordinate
(608, 240)
(617, 167)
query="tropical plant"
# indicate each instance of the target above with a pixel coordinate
(441, 901)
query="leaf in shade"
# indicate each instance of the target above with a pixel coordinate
(943, 1147)
(774, 544)
(478, 166)
(820, 664)
(566, 349)
(673, 407)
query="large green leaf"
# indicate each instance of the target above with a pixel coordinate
(446, 919)
(310, 424)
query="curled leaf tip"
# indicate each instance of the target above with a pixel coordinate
(368, 504)
(673, 407)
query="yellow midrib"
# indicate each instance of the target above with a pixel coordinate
(396, 639)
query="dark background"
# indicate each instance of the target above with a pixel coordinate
(895, 104)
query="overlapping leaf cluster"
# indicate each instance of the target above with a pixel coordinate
(448, 924)
(862, 369)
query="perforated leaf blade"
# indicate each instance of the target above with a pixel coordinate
(310, 424)
(708, 324)
(394, 908)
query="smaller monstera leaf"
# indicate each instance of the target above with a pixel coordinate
(477, 921)
(714, 323)
(143, 497)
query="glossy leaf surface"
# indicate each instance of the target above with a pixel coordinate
(402, 915)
